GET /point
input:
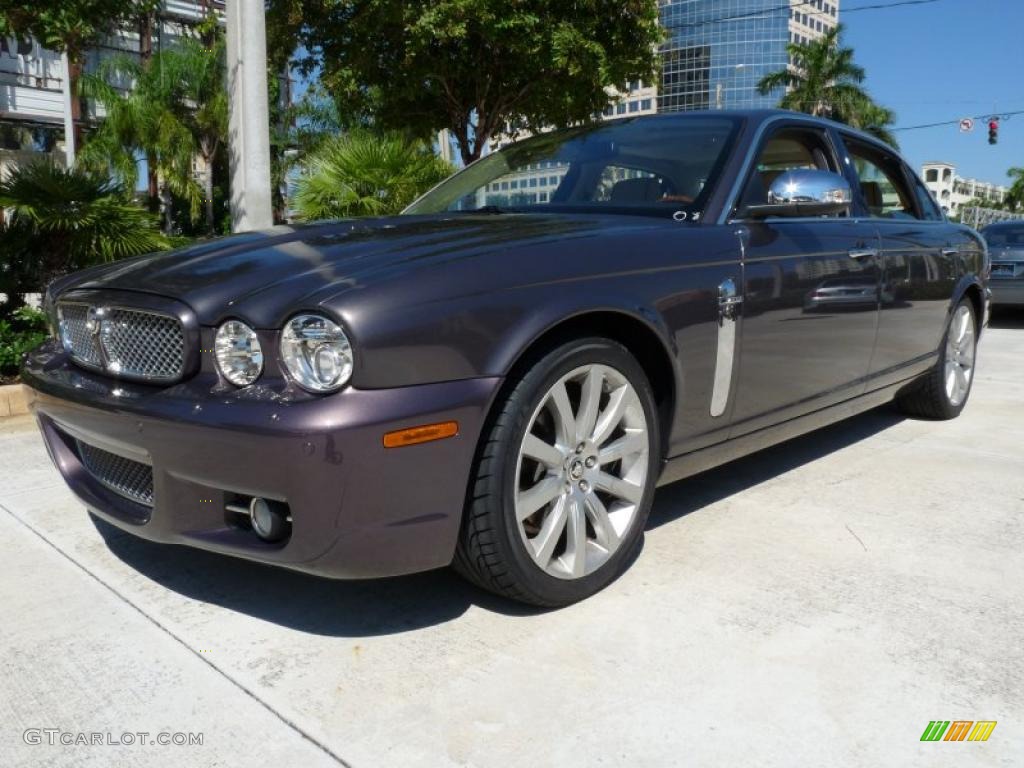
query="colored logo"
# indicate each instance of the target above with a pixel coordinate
(958, 730)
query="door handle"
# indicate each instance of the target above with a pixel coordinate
(863, 253)
(729, 301)
(948, 252)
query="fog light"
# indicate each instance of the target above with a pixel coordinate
(269, 519)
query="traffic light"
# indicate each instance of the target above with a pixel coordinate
(993, 131)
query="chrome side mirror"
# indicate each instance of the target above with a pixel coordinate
(805, 192)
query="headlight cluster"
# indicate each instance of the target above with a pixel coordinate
(315, 351)
(239, 354)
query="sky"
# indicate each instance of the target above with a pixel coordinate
(945, 60)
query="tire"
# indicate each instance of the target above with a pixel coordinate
(601, 488)
(943, 392)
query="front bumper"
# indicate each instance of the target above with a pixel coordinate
(358, 509)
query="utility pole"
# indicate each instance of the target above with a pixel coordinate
(69, 110)
(249, 119)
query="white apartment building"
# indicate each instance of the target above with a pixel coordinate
(640, 98)
(35, 97)
(952, 191)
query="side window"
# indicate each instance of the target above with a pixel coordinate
(882, 185)
(925, 202)
(789, 149)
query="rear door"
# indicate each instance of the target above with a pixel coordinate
(810, 294)
(918, 262)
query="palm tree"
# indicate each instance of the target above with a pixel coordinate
(823, 79)
(58, 220)
(1015, 197)
(364, 174)
(137, 122)
(174, 110)
(872, 118)
(200, 102)
(298, 131)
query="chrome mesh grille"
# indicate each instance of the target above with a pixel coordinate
(74, 328)
(130, 479)
(143, 344)
(132, 343)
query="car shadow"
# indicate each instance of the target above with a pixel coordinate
(1006, 318)
(301, 601)
(691, 494)
(388, 606)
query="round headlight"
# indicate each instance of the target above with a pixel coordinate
(238, 351)
(316, 352)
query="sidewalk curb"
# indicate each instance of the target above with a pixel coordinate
(13, 400)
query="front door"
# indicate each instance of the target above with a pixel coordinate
(918, 261)
(810, 296)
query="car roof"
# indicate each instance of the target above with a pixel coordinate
(764, 115)
(1008, 224)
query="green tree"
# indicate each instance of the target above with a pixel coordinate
(872, 118)
(474, 66)
(362, 174)
(1015, 197)
(58, 220)
(823, 79)
(70, 26)
(176, 109)
(199, 100)
(297, 130)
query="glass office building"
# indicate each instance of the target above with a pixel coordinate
(716, 51)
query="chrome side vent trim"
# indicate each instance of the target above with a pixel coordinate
(729, 305)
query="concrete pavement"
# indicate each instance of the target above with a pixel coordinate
(815, 604)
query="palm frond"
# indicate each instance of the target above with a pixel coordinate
(363, 174)
(58, 220)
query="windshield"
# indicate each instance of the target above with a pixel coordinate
(661, 166)
(1005, 236)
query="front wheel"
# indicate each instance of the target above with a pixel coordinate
(943, 393)
(564, 479)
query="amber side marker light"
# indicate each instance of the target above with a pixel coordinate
(421, 434)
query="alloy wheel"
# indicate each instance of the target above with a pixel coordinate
(581, 471)
(960, 350)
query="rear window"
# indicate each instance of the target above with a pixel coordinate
(1004, 236)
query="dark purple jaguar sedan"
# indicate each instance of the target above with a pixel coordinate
(499, 377)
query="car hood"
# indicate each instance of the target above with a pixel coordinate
(264, 276)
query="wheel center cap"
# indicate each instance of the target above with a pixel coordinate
(576, 469)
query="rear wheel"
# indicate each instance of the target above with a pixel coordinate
(944, 391)
(564, 479)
